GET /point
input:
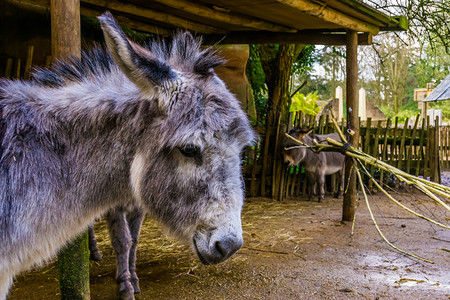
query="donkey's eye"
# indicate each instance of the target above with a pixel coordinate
(190, 151)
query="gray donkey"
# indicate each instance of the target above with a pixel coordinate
(316, 165)
(154, 124)
(124, 225)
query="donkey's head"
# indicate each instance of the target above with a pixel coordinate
(294, 153)
(187, 166)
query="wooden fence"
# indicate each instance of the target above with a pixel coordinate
(444, 147)
(415, 148)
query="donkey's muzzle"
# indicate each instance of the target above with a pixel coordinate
(219, 250)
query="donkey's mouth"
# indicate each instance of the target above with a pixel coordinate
(199, 255)
(214, 251)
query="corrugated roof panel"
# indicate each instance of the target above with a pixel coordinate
(441, 92)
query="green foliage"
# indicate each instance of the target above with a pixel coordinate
(256, 78)
(305, 103)
(406, 111)
(445, 106)
(410, 110)
(305, 60)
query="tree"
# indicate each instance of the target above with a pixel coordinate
(270, 68)
(428, 19)
(395, 58)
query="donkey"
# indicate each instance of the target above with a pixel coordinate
(124, 224)
(151, 123)
(316, 165)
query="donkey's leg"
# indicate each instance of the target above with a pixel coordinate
(121, 242)
(341, 184)
(95, 254)
(321, 186)
(135, 219)
(311, 185)
(5, 283)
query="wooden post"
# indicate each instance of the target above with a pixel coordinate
(28, 62)
(73, 260)
(348, 211)
(66, 31)
(9, 68)
(384, 151)
(436, 170)
(340, 96)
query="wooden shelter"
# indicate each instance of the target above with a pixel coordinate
(325, 22)
(248, 21)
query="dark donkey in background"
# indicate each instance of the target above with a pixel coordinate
(316, 165)
(154, 124)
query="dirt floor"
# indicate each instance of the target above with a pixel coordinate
(293, 250)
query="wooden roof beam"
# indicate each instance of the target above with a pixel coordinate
(325, 13)
(239, 20)
(154, 15)
(133, 24)
(302, 37)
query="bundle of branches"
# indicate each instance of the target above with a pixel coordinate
(360, 159)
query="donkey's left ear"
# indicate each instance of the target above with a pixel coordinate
(303, 132)
(140, 65)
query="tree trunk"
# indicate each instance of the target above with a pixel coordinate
(73, 269)
(277, 64)
(73, 260)
(348, 211)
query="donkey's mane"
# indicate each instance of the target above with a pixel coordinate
(183, 52)
(94, 62)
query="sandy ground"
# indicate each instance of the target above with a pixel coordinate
(293, 250)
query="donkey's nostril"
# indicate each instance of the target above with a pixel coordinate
(219, 249)
(227, 247)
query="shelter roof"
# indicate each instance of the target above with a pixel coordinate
(441, 92)
(248, 21)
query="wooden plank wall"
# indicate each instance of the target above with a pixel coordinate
(415, 147)
(16, 70)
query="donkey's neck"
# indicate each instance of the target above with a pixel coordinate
(86, 131)
(90, 100)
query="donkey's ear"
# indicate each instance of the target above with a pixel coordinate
(140, 65)
(303, 132)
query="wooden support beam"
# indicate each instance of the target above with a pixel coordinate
(73, 260)
(230, 18)
(154, 15)
(348, 211)
(130, 23)
(302, 37)
(9, 67)
(331, 15)
(65, 31)
(28, 62)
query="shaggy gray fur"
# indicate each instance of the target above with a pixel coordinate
(316, 165)
(156, 125)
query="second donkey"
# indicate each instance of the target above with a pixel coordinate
(124, 224)
(316, 165)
